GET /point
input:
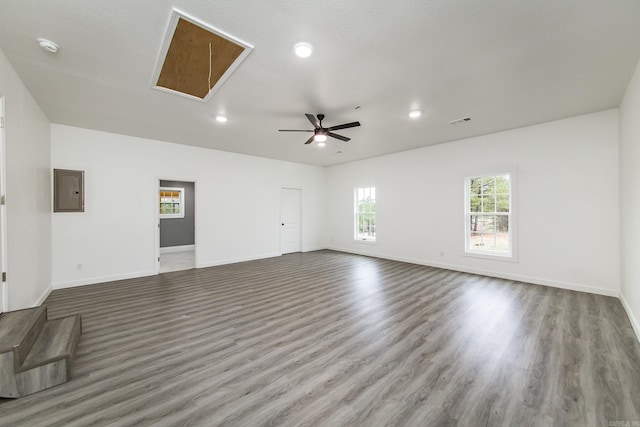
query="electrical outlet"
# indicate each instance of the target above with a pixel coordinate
(441, 253)
(78, 267)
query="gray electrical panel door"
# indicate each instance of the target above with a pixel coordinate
(68, 190)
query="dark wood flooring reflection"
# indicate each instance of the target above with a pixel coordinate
(327, 338)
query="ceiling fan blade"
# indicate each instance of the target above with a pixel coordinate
(314, 121)
(340, 137)
(293, 130)
(310, 140)
(344, 126)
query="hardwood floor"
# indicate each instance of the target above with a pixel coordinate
(327, 338)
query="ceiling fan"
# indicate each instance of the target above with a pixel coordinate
(320, 133)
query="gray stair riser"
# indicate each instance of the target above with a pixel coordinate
(8, 386)
(22, 350)
(43, 377)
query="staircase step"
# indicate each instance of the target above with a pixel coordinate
(35, 354)
(57, 341)
(19, 329)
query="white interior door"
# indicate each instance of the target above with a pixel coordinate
(290, 220)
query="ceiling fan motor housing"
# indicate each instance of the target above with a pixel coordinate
(319, 130)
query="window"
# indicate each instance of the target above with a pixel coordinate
(365, 214)
(488, 216)
(171, 202)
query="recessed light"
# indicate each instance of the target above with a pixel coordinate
(221, 119)
(48, 45)
(303, 50)
(414, 114)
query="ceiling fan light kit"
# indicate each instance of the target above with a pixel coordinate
(320, 137)
(320, 133)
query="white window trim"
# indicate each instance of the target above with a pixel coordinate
(366, 242)
(356, 239)
(182, 207)
(512, 256)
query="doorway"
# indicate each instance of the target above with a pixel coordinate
(4, 291)
(176, 225)
(290, 230)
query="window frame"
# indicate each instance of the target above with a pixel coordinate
(357, 213)
(181, 206)
(512, 254)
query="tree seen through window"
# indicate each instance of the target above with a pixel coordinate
(365, 221)
(488, 213)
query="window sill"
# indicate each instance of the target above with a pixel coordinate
(494, 257)
(171, 216)
(365, 242)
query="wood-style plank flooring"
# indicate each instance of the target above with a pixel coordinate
(333, 339)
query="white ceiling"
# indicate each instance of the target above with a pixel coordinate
(505, 63)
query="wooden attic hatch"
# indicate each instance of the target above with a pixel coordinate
(195, 58)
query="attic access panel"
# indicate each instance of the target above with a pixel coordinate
(195, 58)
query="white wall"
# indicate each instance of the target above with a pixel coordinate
(630, 199)
(27, 135)
(567, 202)
(237, 204)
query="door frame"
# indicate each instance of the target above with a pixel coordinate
(156, 222)
(4, 288)
(300, 234)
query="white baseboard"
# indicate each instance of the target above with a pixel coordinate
(632, 318)
(236, 260)
(102, 279)
(313, 248)
(44, 296)
(491, 273)
(183, 248)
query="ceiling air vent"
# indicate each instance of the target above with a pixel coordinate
(196, 58)
(461, 120)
